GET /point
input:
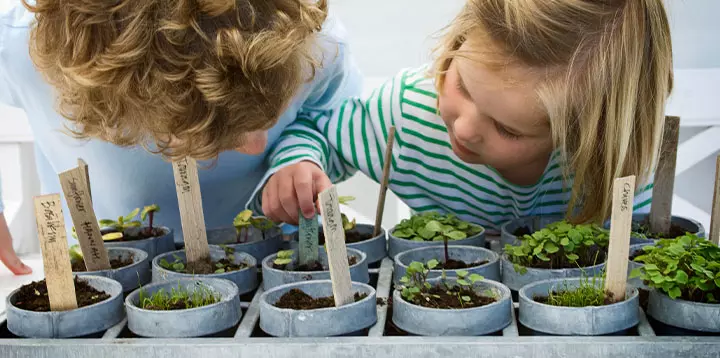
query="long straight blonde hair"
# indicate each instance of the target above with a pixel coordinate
(609, 73)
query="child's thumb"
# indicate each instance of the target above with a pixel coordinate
(321, 183)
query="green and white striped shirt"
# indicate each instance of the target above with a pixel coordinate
(425, 173)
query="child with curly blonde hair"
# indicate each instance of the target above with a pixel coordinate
(196, 78)
(534, 108)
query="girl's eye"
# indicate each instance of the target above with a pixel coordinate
(504, 132)
(460, 87)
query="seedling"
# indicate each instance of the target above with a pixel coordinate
(76, 253)
(123, 222)
(559, 245)
(148, 212)
(433, 226)
(284, 257)
(687, 267)
(347, 224)
(245, 219)
(590, 292)
(178, 298)
(416, 289)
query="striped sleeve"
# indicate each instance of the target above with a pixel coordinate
(643, 199)
(348, 138)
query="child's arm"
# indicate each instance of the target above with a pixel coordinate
(350, 137)
(643, 198)
(7, 253)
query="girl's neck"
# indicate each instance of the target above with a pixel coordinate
(526, 175)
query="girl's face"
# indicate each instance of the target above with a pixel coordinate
(254, 143)
(495, 118)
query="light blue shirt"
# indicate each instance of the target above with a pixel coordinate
(125, 178)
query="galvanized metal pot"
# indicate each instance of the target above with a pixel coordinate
(245, 279)
(194, 322)
(273, 277)
(467, 254)
(130, 276)
(153, 246)
(476, 321)
(375, 248)
(575, 321)
(79, 322)
(324, 322)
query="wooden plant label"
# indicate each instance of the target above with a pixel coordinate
(661, 208)
(192, 219)
(56, 258)
(620, 229)
(384, 183)
(77, 195)
(715, 218)
(336, 250)
(308, 239)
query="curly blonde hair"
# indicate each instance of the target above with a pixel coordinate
(609, 73)
(197, 73)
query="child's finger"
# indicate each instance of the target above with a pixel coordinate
(271, 203)
(288, 199)
(321, 182)
(305, 194)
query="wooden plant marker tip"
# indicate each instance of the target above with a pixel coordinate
(715, 219)
(336, 250)
(56, 258)
(661, 208)
(86, 171)
(77, 195)
(192, 218)
(307, 239)
(620, 229)
(384, 183)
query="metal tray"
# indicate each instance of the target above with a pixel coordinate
(381, 340)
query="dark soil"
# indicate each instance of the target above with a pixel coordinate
(351, 236)
(382, 301)
(299, 300)
(143, 234)
(452, 301)
(699, 295)
(587, 259)
(636, 254)
(206, 268)
(118, 262)
(522, 231)
(34, 296)
(312, 267)
(675, 231)
(457, 264)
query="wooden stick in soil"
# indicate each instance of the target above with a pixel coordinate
(384, 183)
(77, 195)
(192, 218)
(56, 258)
(715, 219)
(336, 250)
(661, 208)
(620, 229)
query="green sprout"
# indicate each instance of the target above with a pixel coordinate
(284, 257)
(414, 286)
(178, 298)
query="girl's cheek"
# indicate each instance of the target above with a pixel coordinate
(254, 144)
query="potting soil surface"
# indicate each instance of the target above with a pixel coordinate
(34, 296)
(298, 300)
(675, 231)
(457, 264)
(440, 297)
(351, 236)
(311, 267)
(115, 263)
(522, 231)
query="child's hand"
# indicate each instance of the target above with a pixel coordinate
(295, 186)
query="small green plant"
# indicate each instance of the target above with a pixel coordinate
(687, 267)
(245, 219)
(123, 222)
(433, 226)
(178, 298)
(76, 253)
(284, 257)
(415, 287)
(559, 245)
(178, 264)
(148, 212)
(590, 292)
